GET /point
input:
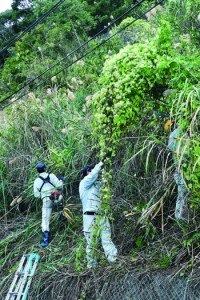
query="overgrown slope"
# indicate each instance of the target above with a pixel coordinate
(107, 101)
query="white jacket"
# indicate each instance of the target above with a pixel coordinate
(47, 187)
(89, 190)
(174, 141)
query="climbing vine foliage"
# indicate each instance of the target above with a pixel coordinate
(132, 86)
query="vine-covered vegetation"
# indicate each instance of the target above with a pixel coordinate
(137, 74)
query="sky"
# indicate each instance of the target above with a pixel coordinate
(5, 4)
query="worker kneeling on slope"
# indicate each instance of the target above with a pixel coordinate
(47, 187)
(95, 223)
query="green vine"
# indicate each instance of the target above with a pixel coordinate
(132, 86)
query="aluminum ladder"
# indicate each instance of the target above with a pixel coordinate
(23, 276)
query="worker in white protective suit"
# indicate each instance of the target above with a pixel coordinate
(95, 223)
(47, 187)
(176, 145)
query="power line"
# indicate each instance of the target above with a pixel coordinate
(82, 56)
(39, 20)
(73, 51)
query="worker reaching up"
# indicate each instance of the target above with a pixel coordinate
(95, 223)
(47, 187)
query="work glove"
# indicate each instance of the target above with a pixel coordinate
(106, 156)
(62, 178)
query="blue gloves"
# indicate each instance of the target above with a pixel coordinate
(62, 178)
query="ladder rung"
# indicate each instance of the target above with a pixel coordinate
(15, 294)
(23, 276)
(23, 273)
(20, 273)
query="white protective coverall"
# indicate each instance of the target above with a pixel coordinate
(89, 190)
(45, 194)
(175, 145)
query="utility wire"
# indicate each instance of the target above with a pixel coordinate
(82, 56)
(73, 51)
(38, 21)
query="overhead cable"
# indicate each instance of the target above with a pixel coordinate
(74, 51)
(39, 20)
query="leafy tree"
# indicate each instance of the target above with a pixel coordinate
(62, 31)
(12, 22)
(21, 14)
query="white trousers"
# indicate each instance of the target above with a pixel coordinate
(181, 211)
(97, 228)
(46, 213)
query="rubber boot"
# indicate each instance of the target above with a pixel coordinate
(46, 238)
